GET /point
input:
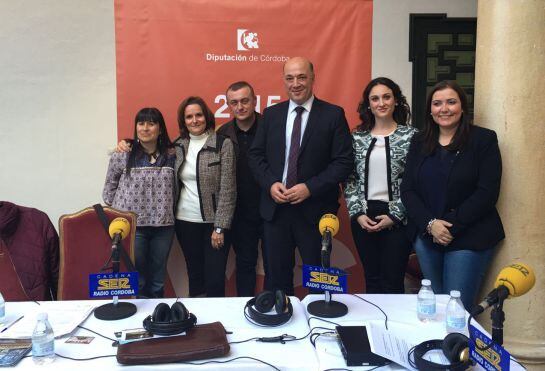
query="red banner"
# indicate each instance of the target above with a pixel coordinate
(167, 50)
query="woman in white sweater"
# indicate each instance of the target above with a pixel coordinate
(205, 171)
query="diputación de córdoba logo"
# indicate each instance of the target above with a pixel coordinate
(247, 39)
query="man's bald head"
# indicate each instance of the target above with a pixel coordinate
(299, 79)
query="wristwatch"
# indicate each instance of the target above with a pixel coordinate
(218, 230)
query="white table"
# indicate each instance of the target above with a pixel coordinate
(297, 355)
(401, 312)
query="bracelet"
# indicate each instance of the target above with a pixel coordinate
(430, 223)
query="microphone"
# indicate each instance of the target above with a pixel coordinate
(514, 280)
(119, 229)
(328, 226)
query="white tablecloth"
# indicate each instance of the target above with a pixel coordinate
(297, 355)
(401, 312)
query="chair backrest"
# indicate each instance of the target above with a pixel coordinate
(413, 275)
(84, 249)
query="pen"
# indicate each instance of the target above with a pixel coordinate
(11, 324)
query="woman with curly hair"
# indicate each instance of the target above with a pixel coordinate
(372, 191)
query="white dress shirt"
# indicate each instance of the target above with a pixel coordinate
(377, 176)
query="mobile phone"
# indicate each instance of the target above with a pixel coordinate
(355, 347)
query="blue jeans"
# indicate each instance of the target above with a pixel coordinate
(151, 249)
(461, 270)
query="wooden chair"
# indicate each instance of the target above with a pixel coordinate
(413, 275)
(84, 249)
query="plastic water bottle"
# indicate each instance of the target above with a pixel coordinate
(2, 309)
(456, 313)
(43, 341)
(425, 302)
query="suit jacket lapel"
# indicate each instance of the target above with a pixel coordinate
(312, 121)
(282, 130)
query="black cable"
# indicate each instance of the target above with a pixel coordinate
(375, 368)
(284, 338)
(482, 349)
(317, 335)
(242, 341)
(379, 308)
(314, 337)
(321, 319)
(312, 331)
(96, 333)
(189, 363)
(347, 369)
(231, 360)
(84, 359)
(409, 354)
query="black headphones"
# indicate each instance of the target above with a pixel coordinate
(256, 309)
(168, 321)
(455, 347)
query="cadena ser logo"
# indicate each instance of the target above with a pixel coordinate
(489, 354)
(113, 284)
(321, 277)
(247, 39)
(325, 279)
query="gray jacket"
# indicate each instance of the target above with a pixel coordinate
(215, 178)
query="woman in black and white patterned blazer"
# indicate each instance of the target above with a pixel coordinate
(372, 191)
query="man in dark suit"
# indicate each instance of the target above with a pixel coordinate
(301, 152)
(247, 225)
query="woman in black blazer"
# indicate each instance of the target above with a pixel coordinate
(450, 188)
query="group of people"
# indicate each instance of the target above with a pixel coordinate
(272, 177)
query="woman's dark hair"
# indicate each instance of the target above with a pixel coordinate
(430, 131)
(402, 111)
(208, 115)
(163, 141)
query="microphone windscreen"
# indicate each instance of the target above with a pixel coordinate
(121, 226)
(329, 222)
(519, 278)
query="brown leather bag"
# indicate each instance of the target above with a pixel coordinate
(200, 342)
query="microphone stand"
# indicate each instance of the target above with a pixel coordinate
(115, 310)
(327, 308)
(498, 317)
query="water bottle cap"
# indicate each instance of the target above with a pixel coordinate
(42, 316)
(426, 282)
(455, 293)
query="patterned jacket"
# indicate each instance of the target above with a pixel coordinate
(216, 170)
(355, 190)
(147, 191)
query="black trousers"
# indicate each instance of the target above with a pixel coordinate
(384, 255)
(205, 265)
(245, 236)
(289, 229)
